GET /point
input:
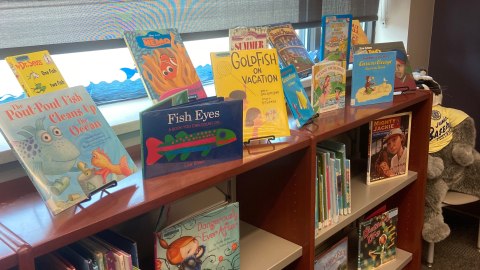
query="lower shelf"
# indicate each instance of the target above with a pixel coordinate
(403, 258)
(260, 249)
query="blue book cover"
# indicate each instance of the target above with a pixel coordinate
(336, 37)
(296, 97)
(187, 137)
(65, 145)
(373, 78)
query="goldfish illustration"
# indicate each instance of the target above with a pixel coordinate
(168, 66)
(102, 161)
(185, 144)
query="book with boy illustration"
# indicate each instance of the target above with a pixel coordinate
(163, 63)
(253, 76)
(377, 240)
(207, 239)
(358, 37)
(403, 72)
(328, 86)
(389, 141)
(290, 48)
(373, 78)
(335, 258)
(190, 135)
(65, 145)
(248, 38)
(296, 97)
(336, 36)
(36, 72)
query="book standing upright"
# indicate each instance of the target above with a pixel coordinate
(329, 79)
(248, 38)
(336, 37)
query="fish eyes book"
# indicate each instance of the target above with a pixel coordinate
(403, 72)
(373, 77)
(253, 76)
(36, 72)
(377, 240)
(290, 48)
(336, 36)
(389, 144)
(65, 145)
(295, 95)
(335, 258)
(163, 63)
(248, 38)
(187, 136)
(328, 83)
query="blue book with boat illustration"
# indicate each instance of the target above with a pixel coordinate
(65, 145)
(189, 136)
(296, 97)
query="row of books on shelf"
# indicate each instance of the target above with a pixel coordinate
(377, 244)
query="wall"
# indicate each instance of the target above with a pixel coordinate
(455, 55)
(397, 14)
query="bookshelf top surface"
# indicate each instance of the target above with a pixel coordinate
(334, 122)
(7, 254)
(24, 212)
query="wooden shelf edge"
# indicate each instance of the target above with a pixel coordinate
(261, 250)
(371, 195)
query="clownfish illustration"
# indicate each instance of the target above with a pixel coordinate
(168, 66)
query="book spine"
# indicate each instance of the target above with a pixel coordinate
(316, 202)
(19, 77)
(349, 186)
(369, 156)
(328, 196)
(359, 259)
(321, 52)
(345, 194)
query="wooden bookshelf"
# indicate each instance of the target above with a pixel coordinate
(275, 187)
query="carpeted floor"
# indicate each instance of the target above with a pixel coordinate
(459, 250)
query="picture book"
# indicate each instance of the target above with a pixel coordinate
(65, 145)
(205, 240)
(253, 76)
(296, 97)
(290, 48)
(358, 37)
(248, 38)
(36, 72)
(329, 79)
(163, 63)
(335, 258)
(389, 141)
(336, 36)
(403, 72)
(367, 70)
(377, 240)
(190, 136)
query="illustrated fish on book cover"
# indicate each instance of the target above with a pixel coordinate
(163, 63)
(248, 38)
(65, 145)
(253, 76)
(336, 35)
(296, 97)
(209, 240)
(290, 48)
(373, 78)
(329, 79)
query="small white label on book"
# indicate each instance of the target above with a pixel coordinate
(393, 214)
(352, 102)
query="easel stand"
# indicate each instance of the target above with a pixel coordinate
(310, 121)
(101, 189)
(269, 138)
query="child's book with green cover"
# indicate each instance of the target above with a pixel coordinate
(328, 86)
(163, 63)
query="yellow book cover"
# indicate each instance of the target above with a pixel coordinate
(37, 73)
(254, 76)
(358, 37)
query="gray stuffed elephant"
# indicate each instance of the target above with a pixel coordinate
(453, 163)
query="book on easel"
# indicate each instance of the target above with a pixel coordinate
(248, 38)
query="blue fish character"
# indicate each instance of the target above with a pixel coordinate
(130, 72)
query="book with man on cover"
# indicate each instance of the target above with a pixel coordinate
(248, 38)
(389, 141)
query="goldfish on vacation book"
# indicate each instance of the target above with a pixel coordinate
(65, 145)
(253, 76)
(163, 63)
(36, 72)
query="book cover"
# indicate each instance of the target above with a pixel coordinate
(373, 77)
(36, 72)
(377, 240)
(336, 35)
(188, 136)
(335, 258)
(65, 145)
(209, 240)
(389, 146)
(403, 72)
(358, 37)
(329, 79)
(248, 38)
(253, 76)
(163, 63)
(296, 97)
(285, 40)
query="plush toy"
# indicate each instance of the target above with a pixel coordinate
(453, 163)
